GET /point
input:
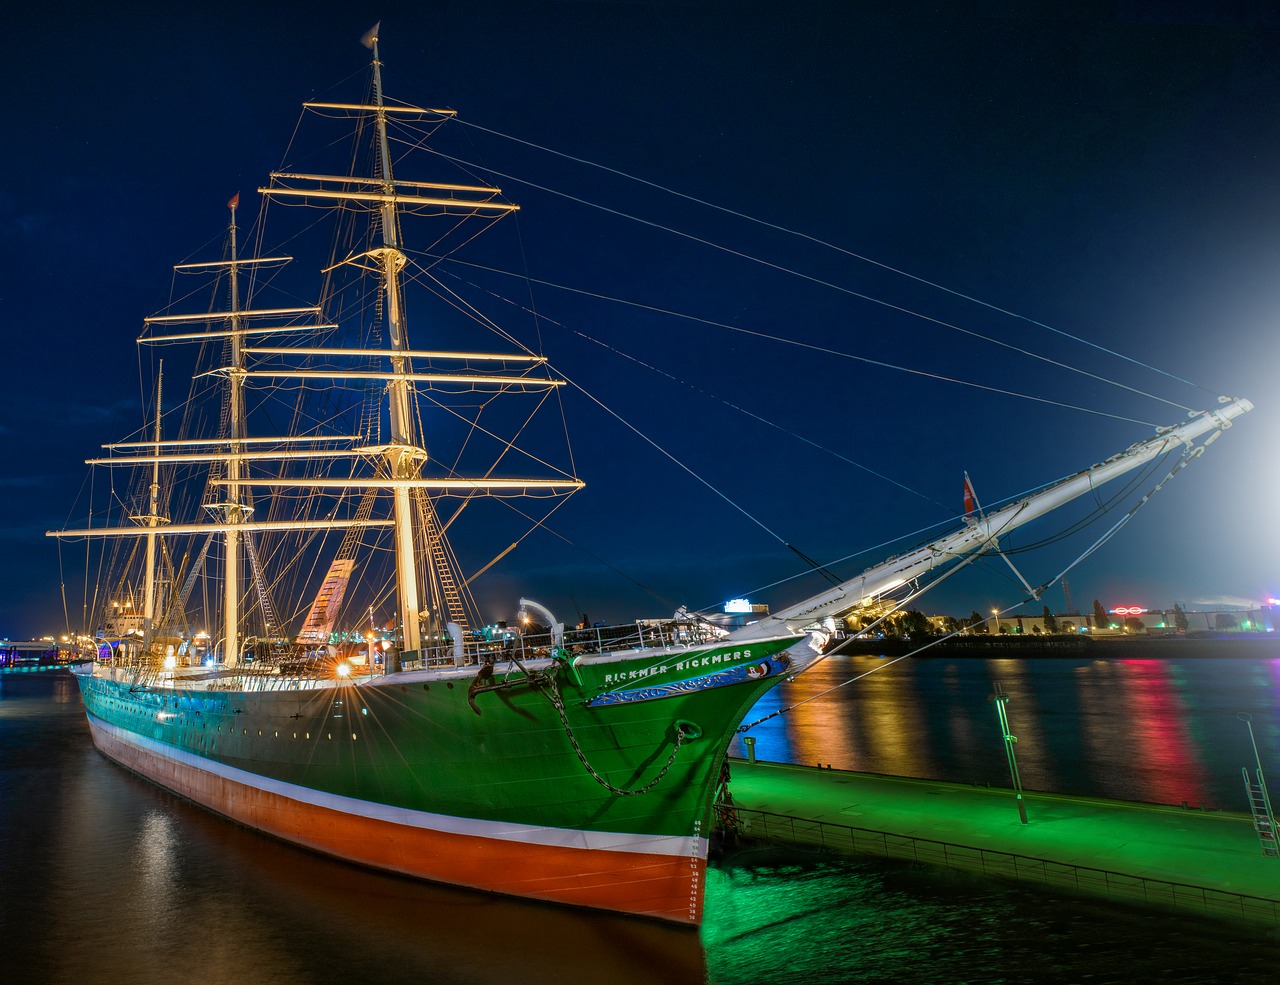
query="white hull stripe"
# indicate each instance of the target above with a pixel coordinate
(609, 841)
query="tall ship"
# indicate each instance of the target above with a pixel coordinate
(284, 632)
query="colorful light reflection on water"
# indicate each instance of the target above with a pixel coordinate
(1152, 730)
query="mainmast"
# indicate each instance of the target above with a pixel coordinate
(404, 456)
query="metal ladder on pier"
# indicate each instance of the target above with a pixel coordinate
(1264, 821)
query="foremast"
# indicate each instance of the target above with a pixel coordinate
(982, 533)
(233, 511)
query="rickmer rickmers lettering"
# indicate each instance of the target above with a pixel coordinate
(284, 631)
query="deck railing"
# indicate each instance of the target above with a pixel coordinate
(593, 639)
(290, 668)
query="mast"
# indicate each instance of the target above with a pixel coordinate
(233, 511)
(404, 456)
(983, 533)
(402, 459)
(152, 519)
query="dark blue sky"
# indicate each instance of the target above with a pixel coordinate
(1105, 169)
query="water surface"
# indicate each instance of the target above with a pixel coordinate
(105, 878)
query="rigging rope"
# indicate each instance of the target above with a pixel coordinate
(831, 246)
(811, 562)
(942, 323)
(821, 350)
(666, 454)
(1186, 458)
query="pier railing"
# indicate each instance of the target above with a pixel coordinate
(844, 839)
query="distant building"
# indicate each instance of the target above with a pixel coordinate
(1034, 625)
(737, 613)
(1251, 620)
(1151, 622)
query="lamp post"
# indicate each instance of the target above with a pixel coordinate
(1000, 698)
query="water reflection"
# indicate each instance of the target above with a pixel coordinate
(105, 878)
(155, 851)
(833, 922)
(963, 734)
(1162, 731)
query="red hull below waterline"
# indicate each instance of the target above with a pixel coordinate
(641, 883)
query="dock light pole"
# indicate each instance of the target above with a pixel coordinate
(1000, 698)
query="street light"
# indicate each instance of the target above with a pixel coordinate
(1000, 698)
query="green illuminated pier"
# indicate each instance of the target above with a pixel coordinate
(1180, 858)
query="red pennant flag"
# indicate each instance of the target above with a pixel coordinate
(235, 202)
(970, 498)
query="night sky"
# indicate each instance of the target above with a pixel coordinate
(1107, 173)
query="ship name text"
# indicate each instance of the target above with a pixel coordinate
(708, 660)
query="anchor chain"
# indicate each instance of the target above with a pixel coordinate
(557, 702)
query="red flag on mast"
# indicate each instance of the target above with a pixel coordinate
(970, 498)
(235, 202)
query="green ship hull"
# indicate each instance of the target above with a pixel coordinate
(587, 782)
